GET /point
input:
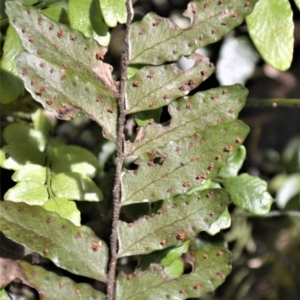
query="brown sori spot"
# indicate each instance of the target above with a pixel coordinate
(178, 149)
(203, 73)
(49, 220)
(213, 31)
(205, 256)
(73, 37)
(220, 253)
(151, 104)
(60, 33)
(202, 141)
(212, 213)
(141, 32)
(197, 286)
(38, 52)
(24, 30)
(46, 250)
(180, 235)
(156, 22)
(79, 235)
(39, 20)
(63, 77)
(220, 1)
(247, 4)
(209, 194)
(228, 148)
(51, 71)
(213, 97)
(136, 83)
(61, 285)
(238, 139)
(150, 75)
(201, 176)
(129, 276)
(7, 227)
(100, 55)
(129, 225)
(31, 39)
(71, 117)
(64, 66)
(150, 163)
(28, 11)
(51, 27)
(231, 111)
(192, 81)
(110, 110)
(41, 65)
(182, 291)
(211, 166)
(174, 51)
(14, 20)
(159, 212)
(77, 292)
(163, 241)
(235, 15)
(195, 10)
(151, 121)
(24, 72)
(189, 106)
(96, 246)
(224, 23)
(221, 274)
(190, 146)
(166, 96)
(86, 47)
(61, 110)
(169, 190)
(206, 4)
(201, 37)
(98, 99)
(199, 197)
(186, 184)
(184, 88)
(225, 91)
(39, 92)
(50, 101)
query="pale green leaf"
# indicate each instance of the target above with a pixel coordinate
(175, 269)
(18, 155)
(30, 192)
(55, 238)
(297, 2)
(223, 222)
(142, 118)
(64, 70)
(209, 22)
(271, 28)
(181, 165)
(178, 220)
(234, 163)
(32, 173)
(114, 11)
(73, 159)
(56, 13)
(249, 193)
(210, 266)
(22, 134)
(86, 16)
(65, 208)
(191, 115)
(75, 186)
(41, 122)
(11, 87)
(155, 86)
(4, 295)
(48, 284)
(289, 189)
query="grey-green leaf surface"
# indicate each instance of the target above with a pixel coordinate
(249, 193)
(234, 163)
(55, 238)
(86, 16)
(48, 284)
(63, 69)
(156, 86)
(114, 11)
(190, 115)
(178, 220)
(209, 22)
(71, 185)
(210, 267)
(271, 28)
(18, 155)
(185, 163)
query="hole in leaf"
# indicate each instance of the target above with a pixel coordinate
(158, 160)
(165, 116)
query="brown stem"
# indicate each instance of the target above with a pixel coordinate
(120, 159)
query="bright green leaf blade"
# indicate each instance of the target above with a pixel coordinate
(65, 208)
(250, 193)
(4, 295)
(191, 115)
(174, 254)
(30, 192)
(86, 16)
(178, 220)
(142, 118)
(297, 2)
(114, 11)
(288, 190)
(186, 163)
(223, 222)
(75, 186)
(153, 87)
(73, 159)
(211, 266)
(21, 134)
(63, 70)
(18, 155)
(55, 238)
(41, 122)
(11, 85)
(57, 14)
(33, 173)
(271, 28)
(234, 163)
(175, 269)
(48, 284)
(210, 21)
